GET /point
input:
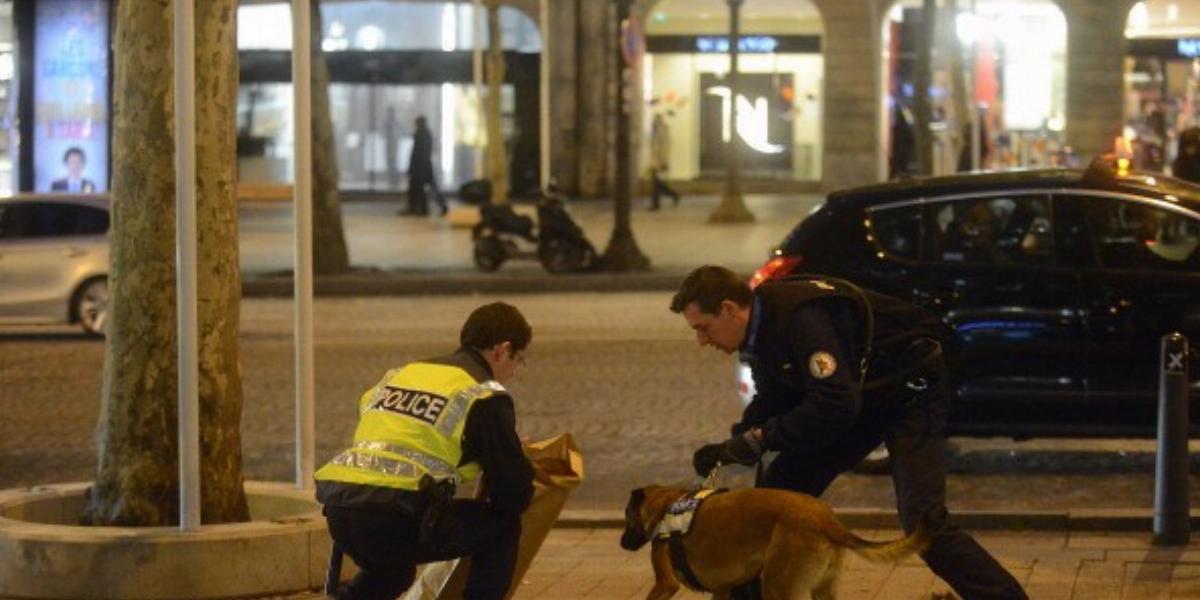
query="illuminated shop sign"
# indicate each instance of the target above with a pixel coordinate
(761, 131)
(1189, 47)
(70, 145)
(761, 44)
(753, 120)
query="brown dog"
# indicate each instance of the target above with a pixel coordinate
(791, 541)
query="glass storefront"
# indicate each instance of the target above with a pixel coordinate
(779, 120)
(390, 62)
(1162, 79)
(779, 101)
(9, 135)
(1014, 57)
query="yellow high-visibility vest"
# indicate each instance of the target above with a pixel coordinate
(411, 424)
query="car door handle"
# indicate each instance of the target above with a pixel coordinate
(74, 252)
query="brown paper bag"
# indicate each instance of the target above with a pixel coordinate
(558, 468)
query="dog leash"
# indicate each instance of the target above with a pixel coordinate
(711, 480)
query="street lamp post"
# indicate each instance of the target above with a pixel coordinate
(732, 208)
(623, 253)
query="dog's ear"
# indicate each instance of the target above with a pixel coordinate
(636, 497)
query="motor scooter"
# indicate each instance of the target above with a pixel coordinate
(559, 243)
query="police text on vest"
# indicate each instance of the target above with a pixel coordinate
(412, 403)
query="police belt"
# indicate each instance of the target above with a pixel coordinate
(913, 366)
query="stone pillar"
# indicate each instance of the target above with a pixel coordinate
(852, 133)
(564, 148)
(1095, 70)
(592, 94)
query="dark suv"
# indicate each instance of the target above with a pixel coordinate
(1058, 285)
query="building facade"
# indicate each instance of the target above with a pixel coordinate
(826, 86)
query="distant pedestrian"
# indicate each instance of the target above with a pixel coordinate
(904, 144)
(1187, 159)
(660, 160)
(420, 172)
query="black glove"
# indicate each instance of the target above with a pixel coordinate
(743, 449)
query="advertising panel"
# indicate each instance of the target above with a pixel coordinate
(70, 135)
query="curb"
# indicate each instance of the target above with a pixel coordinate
(386, 283)
(1112, 520)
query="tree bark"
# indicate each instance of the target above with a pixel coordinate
(329, 241)
(137, 476)
(497, 165)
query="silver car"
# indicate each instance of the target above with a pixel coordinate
(54, 260)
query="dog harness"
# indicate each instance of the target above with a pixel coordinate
(676, 525)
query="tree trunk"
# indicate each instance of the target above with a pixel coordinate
(921, 108)
(329, 241)
(497, 156)
(137, 478)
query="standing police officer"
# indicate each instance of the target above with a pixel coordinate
(839, 370)
(423, 428)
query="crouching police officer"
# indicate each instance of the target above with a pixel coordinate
(839, 370)
(423, 428)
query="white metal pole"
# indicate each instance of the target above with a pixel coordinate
(185, 264)
(477, 75)
(302, 194)
(544, 88)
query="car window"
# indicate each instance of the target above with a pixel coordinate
(1013, 230)
(897, 230)
(1139, 235)
(28, 220)
(91, 220)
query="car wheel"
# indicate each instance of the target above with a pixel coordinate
(878, 462)
(89, 306)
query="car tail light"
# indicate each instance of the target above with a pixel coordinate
(775, 268)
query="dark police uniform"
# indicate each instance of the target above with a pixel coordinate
(805, 343)
(372, 499)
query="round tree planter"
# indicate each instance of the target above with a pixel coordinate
(44, 555)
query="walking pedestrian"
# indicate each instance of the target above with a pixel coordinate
(420, 172)
(660, 160)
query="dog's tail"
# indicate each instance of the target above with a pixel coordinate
(891, 551)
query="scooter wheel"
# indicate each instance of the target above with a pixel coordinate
(489, 254)
(561, 257)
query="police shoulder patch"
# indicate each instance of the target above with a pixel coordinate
(822, 364)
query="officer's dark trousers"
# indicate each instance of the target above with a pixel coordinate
(383, 543)
(914, 431)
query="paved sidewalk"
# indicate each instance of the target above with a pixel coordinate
(393, 254)
(1052, 565)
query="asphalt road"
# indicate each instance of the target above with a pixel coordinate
(619, 371)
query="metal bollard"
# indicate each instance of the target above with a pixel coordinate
(1171, 503)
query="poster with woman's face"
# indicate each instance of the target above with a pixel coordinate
(70, 137)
